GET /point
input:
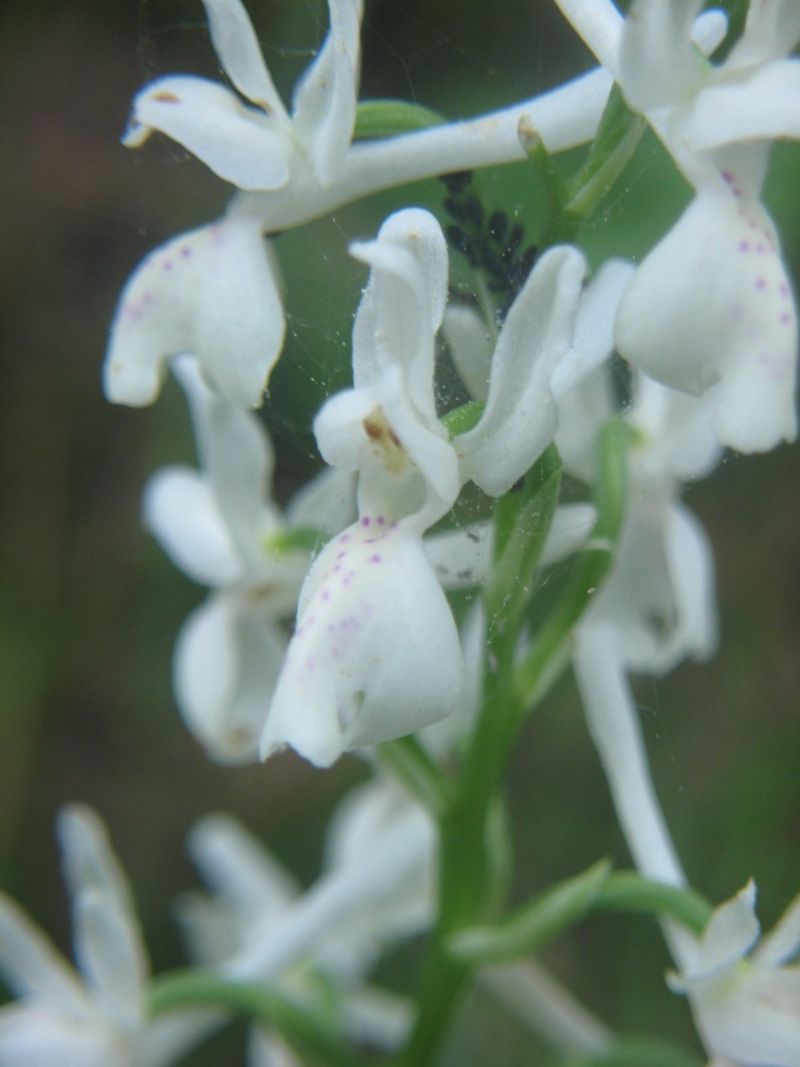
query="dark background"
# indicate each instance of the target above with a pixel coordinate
(90, 607)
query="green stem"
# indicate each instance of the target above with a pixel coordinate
(408, 762)
(315, 1041)
(628, 891)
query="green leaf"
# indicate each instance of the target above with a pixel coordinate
(296, 539)
(617, 136)
(550, 650)
(377, 119)
(628, 891)
(522, 521)
(462, 419)
(542, 919)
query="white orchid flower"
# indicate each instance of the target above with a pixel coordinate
(745, 994)
(711, 308)
(212, 293)
(377, 888)
(259, 146)
(94, 1016)
(659, 597)
(221, 528)
(376, 653)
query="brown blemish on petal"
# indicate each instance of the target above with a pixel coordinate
(386, 441)
(166, 98)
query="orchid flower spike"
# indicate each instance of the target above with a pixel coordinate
(259, 146)
(745, 994)
(220, 526)
(711, 307)
(96, 1015)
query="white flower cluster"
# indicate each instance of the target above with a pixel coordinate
(708, 325)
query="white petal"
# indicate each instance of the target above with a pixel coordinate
(711, 303)
(582, 412)
(403, 305)
(691, 569)
(237, 867)
(658, 64)
(731, 932)
(571, 528)
(180, 511)
(709, 30)
(327, 502)
(659, 596)
(375, 654)
(471, 347)
(771, 31)
(675, 439)
(378, 817)
(111, 958)
(754, 1023)
(325, 99)
(520, 417)
(108, 942)
(237, 46)
(765, 107)
(268, 1050)
(443, 738)
(237, 455)
(212, 293)
(614, 725)
(31, 965)
(248, 886)
(462, 557)
(239, 143)
(782, 943)
(377, 1018)
(226, 664)
(31, 1036)
(593, 337)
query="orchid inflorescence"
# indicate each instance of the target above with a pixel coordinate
(367, 616)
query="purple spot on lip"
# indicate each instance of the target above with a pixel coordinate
(783, 289)
(744, 246)
(375, 559)
(186, 252)
(760, 248)
(786, 318)
(380, 520)
(344, 538)
(366, 520)
(761, 283)
(326, 594)
(168, 264)
(340, 555)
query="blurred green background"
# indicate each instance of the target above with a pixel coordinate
(90, 607)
